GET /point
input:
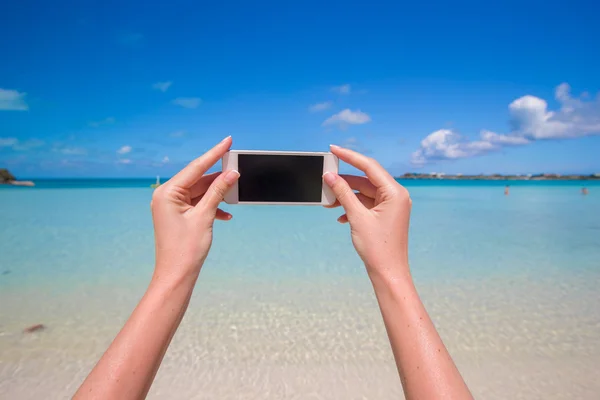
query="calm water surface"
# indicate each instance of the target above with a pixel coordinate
(283, 307)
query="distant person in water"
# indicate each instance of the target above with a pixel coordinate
(184, 210)
(584, 191)
(506, 190)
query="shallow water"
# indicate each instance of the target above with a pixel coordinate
(283, 307)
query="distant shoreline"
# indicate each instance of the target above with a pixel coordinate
(18, 183)
(6, 178)
(498, 177)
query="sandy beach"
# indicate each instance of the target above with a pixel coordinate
(532, 341)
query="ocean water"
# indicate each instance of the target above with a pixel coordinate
(283, 308)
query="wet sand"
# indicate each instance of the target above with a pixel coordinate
(512, 338)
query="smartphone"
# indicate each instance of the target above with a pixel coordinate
(280, 177)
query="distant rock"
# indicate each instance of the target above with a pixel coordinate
(7, 178)
(34, 328)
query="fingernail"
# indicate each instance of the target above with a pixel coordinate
(334, 146)
(225, 138)
(329, 178)
(231, 176)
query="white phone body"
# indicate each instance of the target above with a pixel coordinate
(330, 164)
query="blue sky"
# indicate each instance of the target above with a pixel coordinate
(131, 88)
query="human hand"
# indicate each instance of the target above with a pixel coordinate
(378, 214)
(183, 211)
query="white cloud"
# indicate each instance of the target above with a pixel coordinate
(178, 134)
(576, 117)
(187, 102)
(73, 151)
(347, 117)
(17, 145)
(8, 141)
(445, 144)
(12, 100)
(530, 120)
(70, 164)
(28, 144)
(124, 150)
(320, 106)
(124, 161)
(509, 140)
(165, 160)
(354, 144)
(105, 121)
(162, 86)
(342, 89)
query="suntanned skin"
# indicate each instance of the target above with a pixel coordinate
(379, 219)
(184, 210)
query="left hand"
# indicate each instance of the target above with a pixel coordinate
(184, 210)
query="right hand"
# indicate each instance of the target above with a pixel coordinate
(184, 210)
(378, 214)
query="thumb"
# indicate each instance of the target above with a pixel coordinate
(217, 190)
(343, 192)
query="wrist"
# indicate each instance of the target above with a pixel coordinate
(163, 278)
(391, 274)
(399, 289)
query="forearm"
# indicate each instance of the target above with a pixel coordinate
(424, 364)
(127, 368)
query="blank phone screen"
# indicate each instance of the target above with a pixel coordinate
(280, 178)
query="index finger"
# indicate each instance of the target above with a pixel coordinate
(192, 173)
(361, 183)
(374, 171)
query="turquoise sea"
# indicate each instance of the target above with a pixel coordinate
(283, 308)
